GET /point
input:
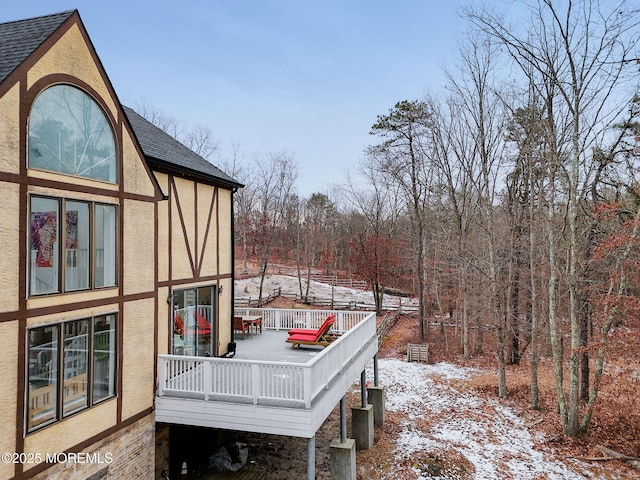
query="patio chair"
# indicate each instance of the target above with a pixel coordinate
(312, 337)
(241, 326)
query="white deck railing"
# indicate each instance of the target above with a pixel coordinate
(274, 383)
(285, 319)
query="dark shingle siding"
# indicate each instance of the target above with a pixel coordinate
(20, 38)
(158, 145)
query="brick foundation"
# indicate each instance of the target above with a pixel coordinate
(129, 453)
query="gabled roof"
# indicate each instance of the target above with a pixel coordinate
(20, 38)
(161, 149)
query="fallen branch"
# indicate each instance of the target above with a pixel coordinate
(594, 459)
(536, 423)
(631, 461)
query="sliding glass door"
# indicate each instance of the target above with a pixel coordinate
(194, 321)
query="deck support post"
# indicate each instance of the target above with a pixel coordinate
(362, 418)
(342, 452)
(343, 419)
(375, 395)
(343, 459)
(375, 370)
(362, 427)
(311, 458)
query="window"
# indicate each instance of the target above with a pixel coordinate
(105, 249)
(66, 249)
(70, 367)
(76, 246)
(194, 321)
(70, 134)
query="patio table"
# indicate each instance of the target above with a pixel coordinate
(252, 321)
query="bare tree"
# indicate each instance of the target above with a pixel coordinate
(579, 53)
(201, 140)
(243, 208)
(452, 146)
(275, 175)
(376, 257)
(484, 115)
(198, 138)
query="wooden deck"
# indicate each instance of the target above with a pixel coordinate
(268, 387)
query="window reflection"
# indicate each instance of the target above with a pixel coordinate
(71, 366)
(69, 134)
(43, 376)
(194, 321)
(104, 357)
(75, 362)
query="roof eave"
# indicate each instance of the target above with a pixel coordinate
(173, 169)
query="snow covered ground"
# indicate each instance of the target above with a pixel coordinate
(491, 436)
(249, 288)
(438, 415)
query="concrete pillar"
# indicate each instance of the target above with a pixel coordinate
(362, 427)
(375, 395)
(343, 459)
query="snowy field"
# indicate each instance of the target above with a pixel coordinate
(249, 288)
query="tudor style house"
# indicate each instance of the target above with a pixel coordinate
(116, 248)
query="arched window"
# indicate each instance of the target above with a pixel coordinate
(70, 134)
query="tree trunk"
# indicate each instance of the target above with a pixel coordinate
(515, 311)
(534, 389)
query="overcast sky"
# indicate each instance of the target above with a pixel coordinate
(308, 77)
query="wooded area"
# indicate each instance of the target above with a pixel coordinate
(508, 202)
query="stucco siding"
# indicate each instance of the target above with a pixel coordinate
(71, 56)
(163, 229)
(63, 435)
(139, 246)
(164, 321)
(9, 243)
(10, 131)
(207, 229)
(135, 178)
(138, 357)
(225, 221)
(225, 314)
(183, 220)
(72, 315)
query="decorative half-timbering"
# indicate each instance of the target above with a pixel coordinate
(106, 234)
(195, 245)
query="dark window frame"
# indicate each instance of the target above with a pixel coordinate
(92, 397)
(63, 253)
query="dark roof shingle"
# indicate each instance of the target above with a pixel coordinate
(157, 144)
(20, 38)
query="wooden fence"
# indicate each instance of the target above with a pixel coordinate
(387, 322)
(316, 302)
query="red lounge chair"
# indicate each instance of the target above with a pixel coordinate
(310, 331)
(316, 337)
